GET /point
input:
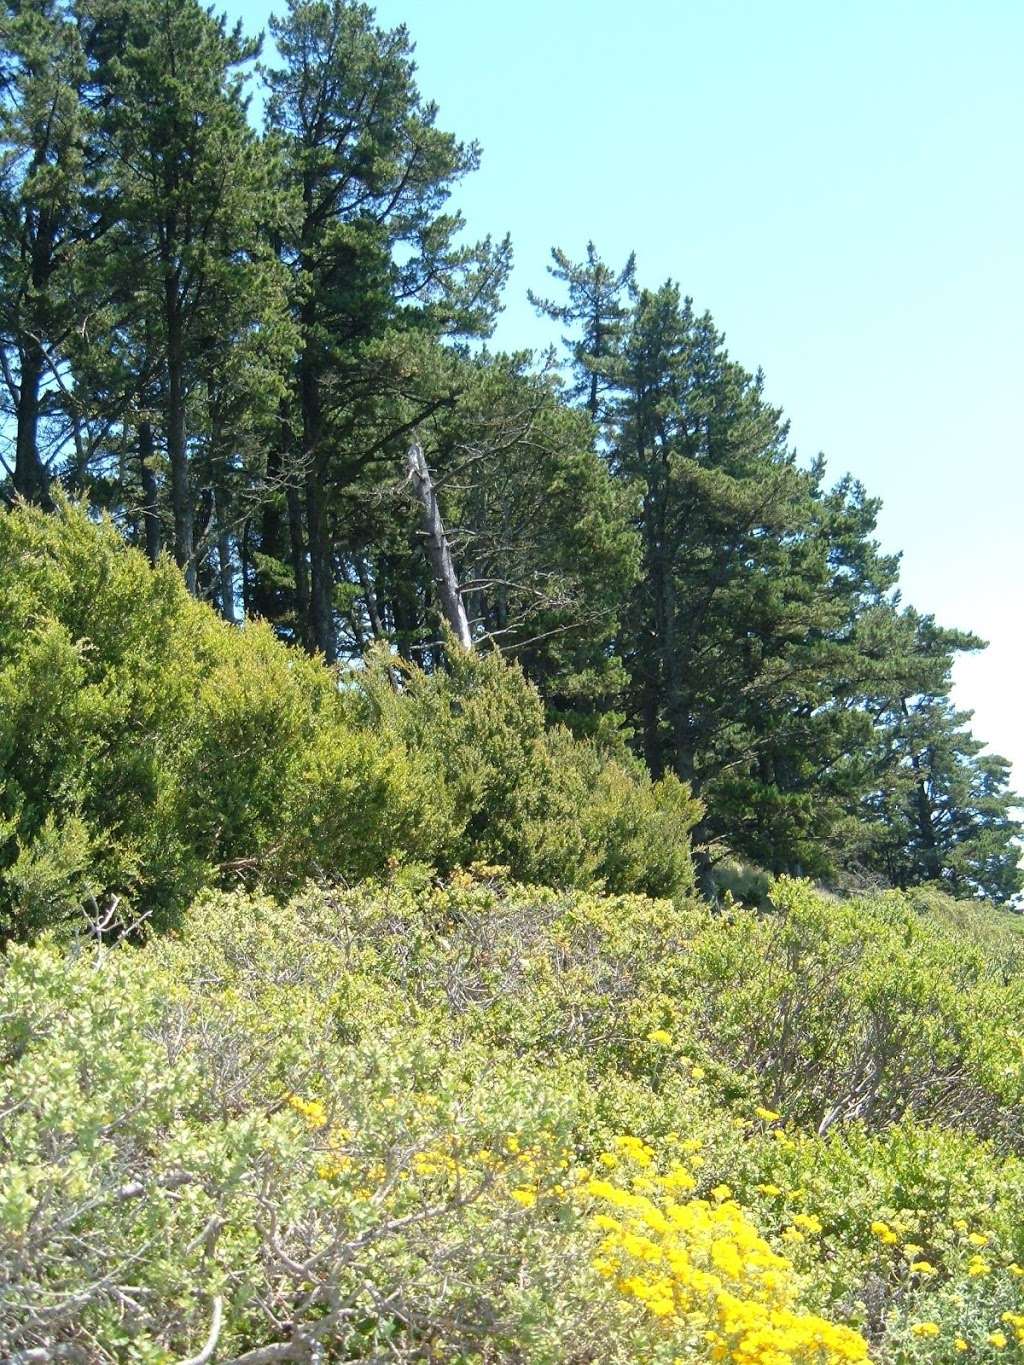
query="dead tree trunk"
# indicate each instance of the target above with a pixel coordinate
(438, 550)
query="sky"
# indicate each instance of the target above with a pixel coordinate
(840, 186)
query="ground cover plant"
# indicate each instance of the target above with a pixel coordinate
(471, 1120)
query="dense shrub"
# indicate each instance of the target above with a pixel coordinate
(148, 749)
(554, 809)
(474, 1122)
(865, 1009)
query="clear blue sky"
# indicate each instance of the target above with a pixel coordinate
(841, 186)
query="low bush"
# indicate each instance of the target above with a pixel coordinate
(479, 1122)
(866, 1009)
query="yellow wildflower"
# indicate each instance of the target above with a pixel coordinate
(769, 1115)
(807, 1222)
(925, 1329)
(660, 1036)
(525, 1197)
(978, 1239)
(922, 1268)
(313, 1111)
(996, 1339)
(961, 1345)
(678, 1178)
(704, 1262)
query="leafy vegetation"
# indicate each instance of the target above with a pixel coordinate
(147, 749)
(228, 337)
(473, 1120)
(374, 709)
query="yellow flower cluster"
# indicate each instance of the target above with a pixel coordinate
(335, 1160)
(1016, 1321)
(702, 1268)
(313, 1111)
(978, 1266)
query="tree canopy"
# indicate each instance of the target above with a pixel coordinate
(226, 332)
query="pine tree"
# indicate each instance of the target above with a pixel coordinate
(764, 634)
(373, 252)
(47, 213)
(540, 531)
(597, 311)
(188, 266)
(939, 808)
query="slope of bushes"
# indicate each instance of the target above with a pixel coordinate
(148, 750)
(474, 1121)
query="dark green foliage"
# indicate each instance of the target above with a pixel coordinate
(148, 749)
(374, 259)
(47, 211)
(553, 808)
(539, 528)
(229, 339)
(764, 643)
(595, 308)
(945, 811)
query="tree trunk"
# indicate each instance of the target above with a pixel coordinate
(299, 566)
(438, 549)
(321, 596)
(30, 476)
(322, 634)
(370, 598)
(225, 567)
(147, 476)
(177, 451)
(923, 806)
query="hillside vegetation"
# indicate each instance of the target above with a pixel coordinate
(478, 1121)
(301, 1061)
(255, 334)
(491, 870)
(147, 749)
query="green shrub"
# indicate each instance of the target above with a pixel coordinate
(378, 1121)
(148, 749)
(862, 1010)
(551, 808)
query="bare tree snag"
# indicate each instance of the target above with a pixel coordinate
(438, 550)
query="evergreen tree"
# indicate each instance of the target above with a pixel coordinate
(47, 212)
(373, 251)
(189, 267)
(939, 809)
(764, 635)
(539, 529)
(598, 308)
